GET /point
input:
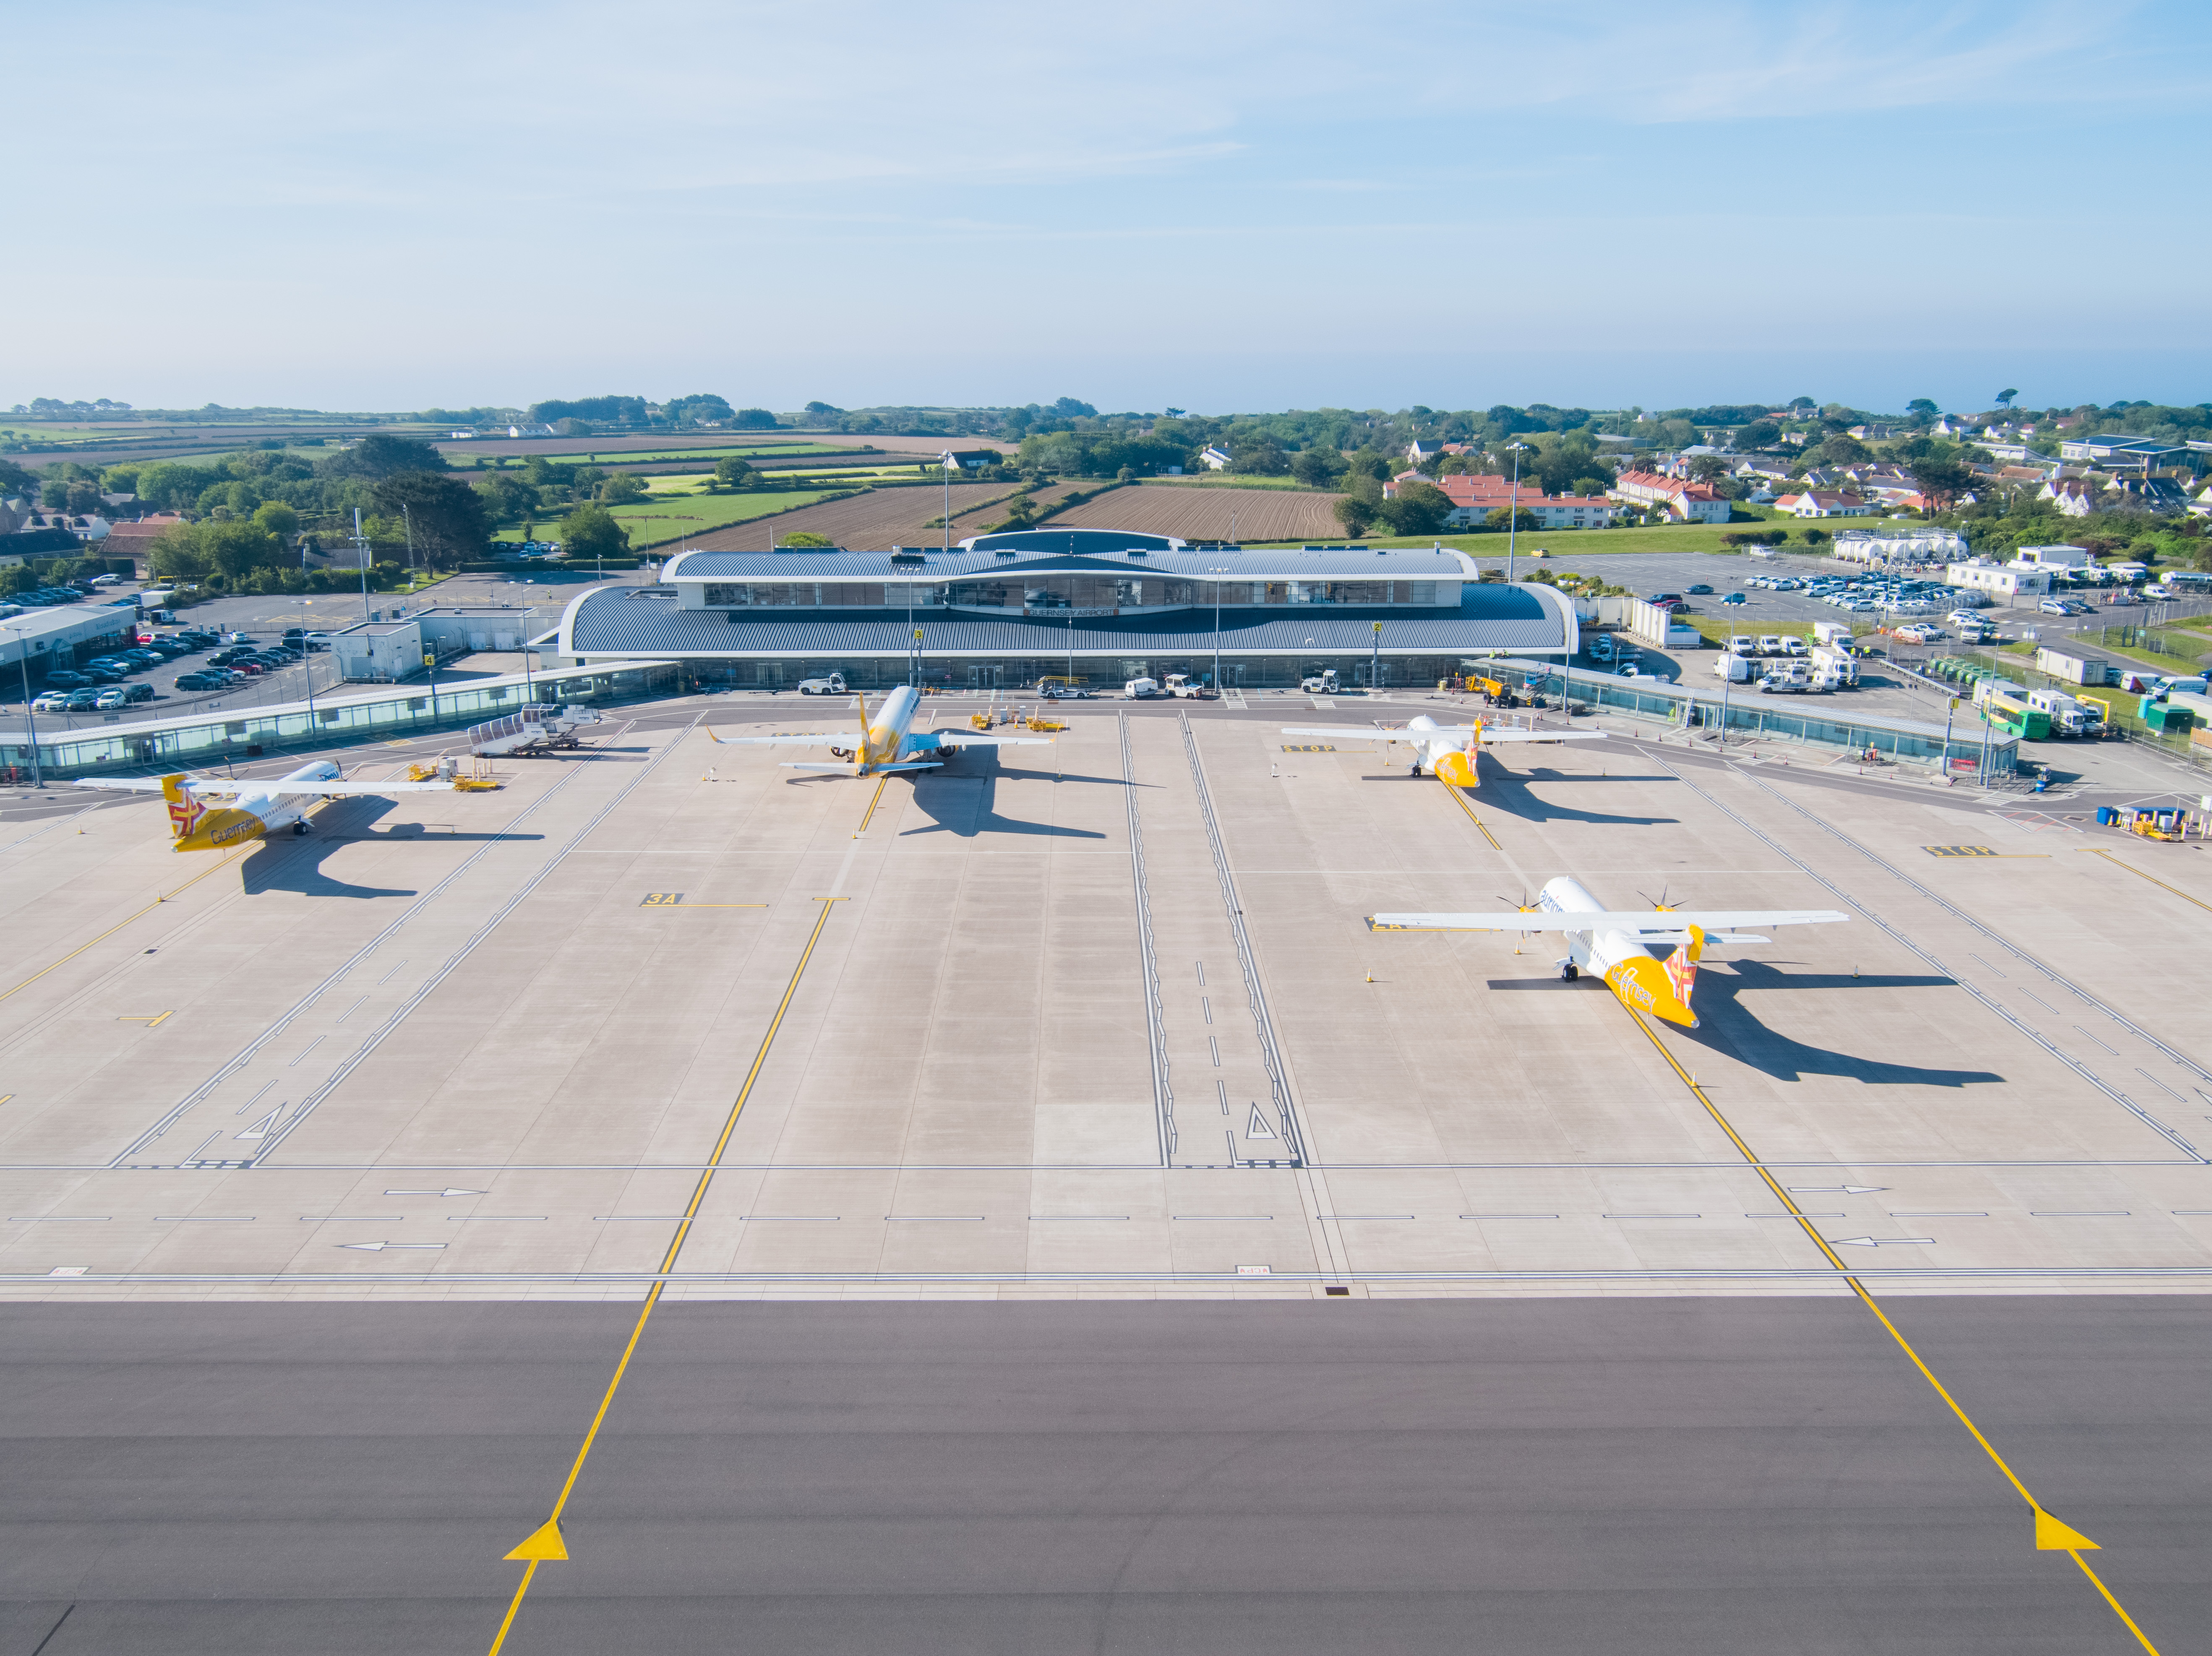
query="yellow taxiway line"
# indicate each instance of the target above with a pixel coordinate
(545, 1543)
(2051, 1534)
(881, 784)
(140, 915)
(1459, 800)
(2153, 878)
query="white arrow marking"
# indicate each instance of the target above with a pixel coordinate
(378, 1247)
(261, 1128)
(433, 1192)
(1795, 1190)
(1876, 1241)
(1258, 1127)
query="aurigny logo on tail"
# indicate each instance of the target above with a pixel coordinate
(186, 808)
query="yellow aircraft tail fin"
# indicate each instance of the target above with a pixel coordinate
(184, 810)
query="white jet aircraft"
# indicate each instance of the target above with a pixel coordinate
(1648, 956)
(1448, 750)
(254, 809)
(885, 745)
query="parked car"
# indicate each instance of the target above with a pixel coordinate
(1699, 591)
(112, 699)
(66, 680)
(1735, 598)
(52, 702)
(2052, 607)
(82, 702)
(138, 692)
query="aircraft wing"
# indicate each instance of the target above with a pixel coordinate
(1378, 736)
(1645, 922)
(827, 739)
(1490, 735)
(228, 788)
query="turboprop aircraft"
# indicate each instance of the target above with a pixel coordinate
(1448, 750)
(254, 809)
(885, 745)
(1648, 956)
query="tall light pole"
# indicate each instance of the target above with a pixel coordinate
(1375, 664)
(361, 550)
(950, 466)
(1513, 508)
(1217, 570)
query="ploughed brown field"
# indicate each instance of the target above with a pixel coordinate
(879, 520)
(1201, 514)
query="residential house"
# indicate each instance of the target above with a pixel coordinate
(1684, 502)
(1905, 546)
(1422, 449)
(2161, 495)
(1213, 459)
(1872, 433)
(90, 530)
(1822, 503)
(2074, 497)
(1475, 496)
(135, 541)
(2117, 452)
(2202, 506)
(1950, 426)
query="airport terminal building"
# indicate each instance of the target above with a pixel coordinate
(1094, 606)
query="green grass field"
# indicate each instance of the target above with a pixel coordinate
(656, 521)
(656, 455)
(1578, 543)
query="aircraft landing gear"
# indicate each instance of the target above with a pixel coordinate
(299, 827)
(1417, 768)
(1569, 971)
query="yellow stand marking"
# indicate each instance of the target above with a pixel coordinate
(546, 1538)
(545, 1542)
(2116, 863)
(2051, 1534)
(881, 784)
(151, 1020)
(1471, 816)
(140, 915)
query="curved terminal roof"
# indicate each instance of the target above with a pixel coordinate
(608, 622)
(1042, 550)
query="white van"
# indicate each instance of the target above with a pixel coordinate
(2067, 715)
(1836, 669)
(1987, 688)
(1832, 631)
(1141, 689)
(1742, 643)
(1736, 669)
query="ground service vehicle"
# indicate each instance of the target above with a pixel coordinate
(1736, 669)
(1141, 689)
(1839, 667)
(2068, 716)
(1321, 683)
(1602, 647)
(826, 684)
(1794, 646)
(1184, 688)
(1989, 689)
(1790, 678)
(2018, 719)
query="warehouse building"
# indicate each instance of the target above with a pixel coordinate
(1096, 606)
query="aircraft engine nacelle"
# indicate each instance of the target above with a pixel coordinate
(1456, 768)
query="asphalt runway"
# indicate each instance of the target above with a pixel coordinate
(1656, 1476)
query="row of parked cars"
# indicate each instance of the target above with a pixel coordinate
(98, 685)
(38, 597)
(240, 661)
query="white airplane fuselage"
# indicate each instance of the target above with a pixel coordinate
(1449, 755)
(251, 815)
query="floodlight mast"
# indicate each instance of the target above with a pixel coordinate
(1513, 508)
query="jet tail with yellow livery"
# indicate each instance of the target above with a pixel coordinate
(1648, 957)
(1446, 751)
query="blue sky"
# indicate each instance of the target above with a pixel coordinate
(1217, 207)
